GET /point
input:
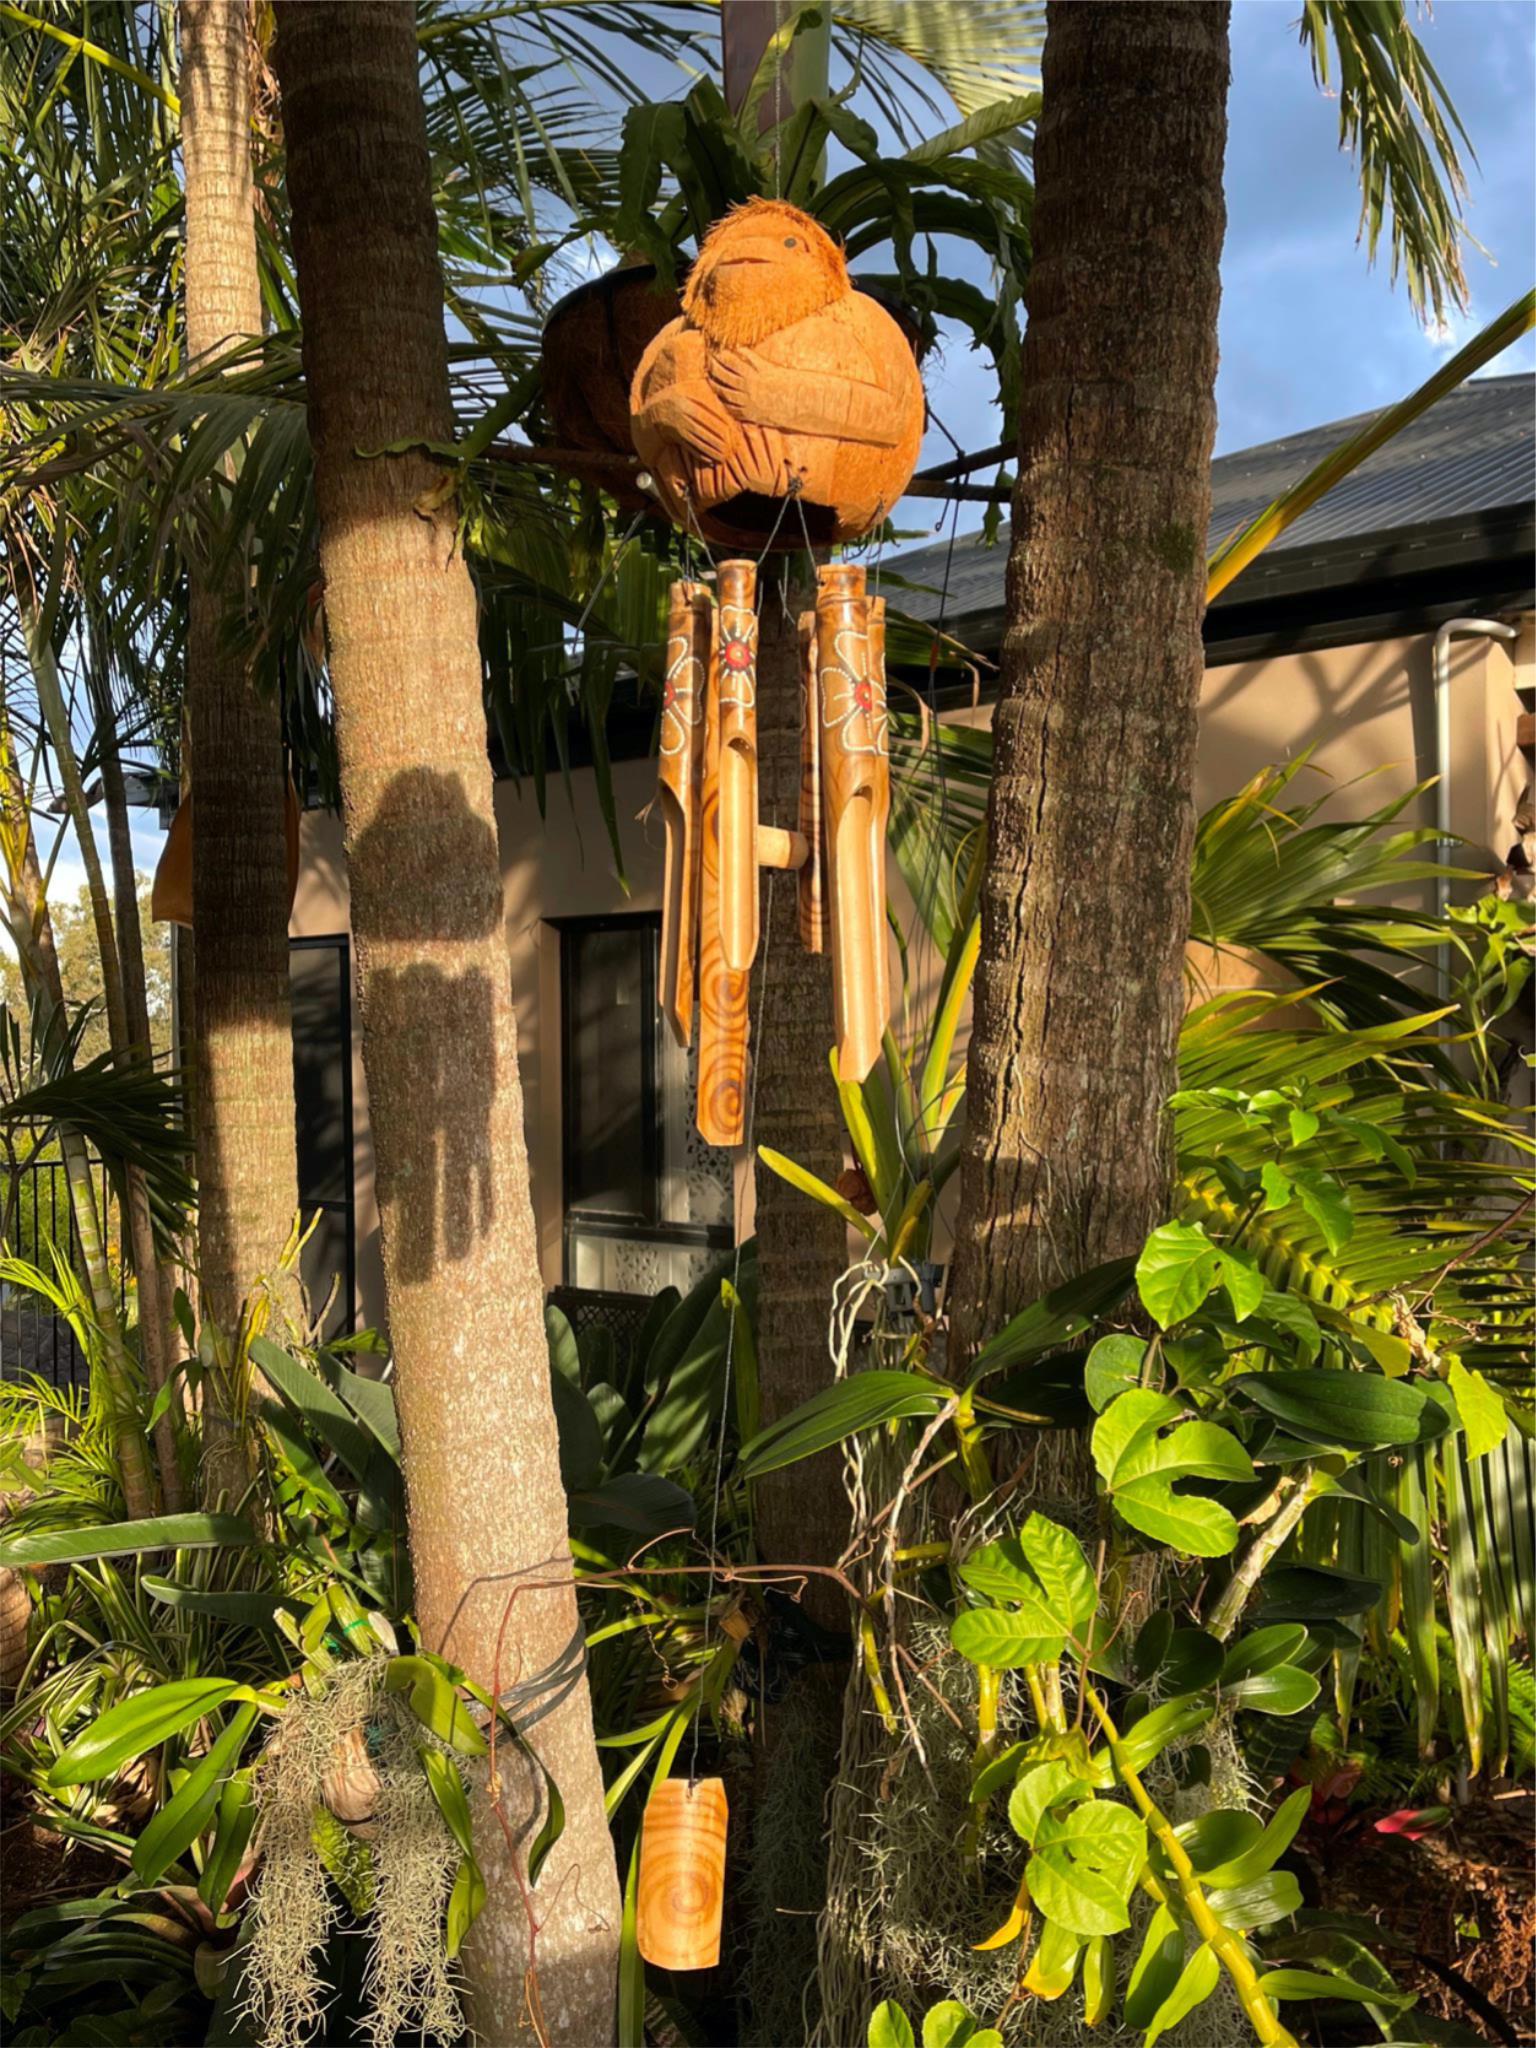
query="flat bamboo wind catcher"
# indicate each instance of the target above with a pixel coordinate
(715, 843)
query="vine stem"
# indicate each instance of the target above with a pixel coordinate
(1225, 1944)
(1227, 1612)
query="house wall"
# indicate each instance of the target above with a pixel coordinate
(1366, 711)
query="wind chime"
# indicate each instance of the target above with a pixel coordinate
(780, 389)
(715, 842)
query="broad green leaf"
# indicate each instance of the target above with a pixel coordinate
(126, 1539)
(1482, 1412)
(1098, 1980)
(325, 1413)
(1156, 1969)
(1043, 1786)
(863, 1401)
(1262, 1649)
(1007, 1638)
(1260, 1903)
(138, 1724)
(232, 1831)
(1327, 1202)
(1216, 1837)
(1056, 1558)
(452, 1800)
(949, 2025)
(435, 1703)
(889, 2027)
(1197, 1980)
(1245, 1284)
(1283, 1690)
(998, 1771)
(1085, 1865)
(1328, 1984)
(1170, 1722)
(1355, 1409)
(1315, 1593)
(1054, 1963)
(642, 1503)
(179, 1822)
(1176, 1271)
(1266, 1852)
(1276, 1184)
(245, 1610)
(1138, 1465)
(1114, 1366)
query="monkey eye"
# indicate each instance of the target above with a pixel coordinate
(790, 242)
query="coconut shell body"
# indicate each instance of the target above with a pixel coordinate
(783, 401)
(681, 1892)
(592, 346)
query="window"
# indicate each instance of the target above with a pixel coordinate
(647, 1202)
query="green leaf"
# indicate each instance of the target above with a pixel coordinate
(1266, 1852)
(126, 1539)
(1482, 1412)
(1327, 1202)
(1138, 1465)
(862, 1402)
(233, 1828)
(1056, 1558)
(1284, 1690)
(1007, 1639)
(1356, 1409)
(1098, 1980)
(1114, 1366)
(631, 1999)
(1262, 1649)
(1085, 1865)
(889, 2027)
(465, 1902)
(1156, 1969)
(244, 1610)
(1176, 1271)
(808, 1184)
(324, 1413)
(1041, 1787)
(1260, 1903)
(1245, 1285)
(143, 1722)
(1054, 1963)
(1277, 1185)
(179, 1822)
(1170, 1722)
(1328, 1984)
(642, 1503)
(1055, 1319)
(1196, 1981)
(435, 1703)
(452, 1800)
(949, 2025)
(1315, 1592)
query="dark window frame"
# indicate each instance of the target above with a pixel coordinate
(619, 1224)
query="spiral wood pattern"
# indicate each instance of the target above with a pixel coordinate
(724, 1023)
(681, 1892)
(680, 780)
(856, 795)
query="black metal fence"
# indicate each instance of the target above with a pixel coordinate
(37, 1222)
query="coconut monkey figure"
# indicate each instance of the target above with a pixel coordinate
(780, 379)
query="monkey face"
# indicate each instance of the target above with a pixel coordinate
(764, 267)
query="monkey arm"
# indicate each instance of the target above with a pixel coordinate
(816, 402)
(692, 414)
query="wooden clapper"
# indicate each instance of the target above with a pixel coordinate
(715, 843)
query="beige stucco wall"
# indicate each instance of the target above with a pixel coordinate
(1366, 711)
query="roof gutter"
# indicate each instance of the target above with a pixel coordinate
(1494, 629)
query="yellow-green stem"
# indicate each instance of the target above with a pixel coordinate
(1224, 1942)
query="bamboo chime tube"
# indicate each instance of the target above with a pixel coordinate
(681, 1892)
(856, 795)
(813, 875)
(736, 667)
(689, 618)
(723, 990)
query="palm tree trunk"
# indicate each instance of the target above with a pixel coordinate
(461, 1271)
(155, 1347)
(1085, 900)
(26, 914)
(802, 1248)
(243, 1125)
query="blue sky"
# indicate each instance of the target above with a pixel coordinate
(1309, 331)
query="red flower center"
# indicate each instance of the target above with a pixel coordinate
(736, 655)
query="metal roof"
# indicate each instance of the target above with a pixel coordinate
(1471, 455)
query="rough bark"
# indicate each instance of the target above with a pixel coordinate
(1086, 894)
(802, 1513)
(244, 1126)
(486, 1508)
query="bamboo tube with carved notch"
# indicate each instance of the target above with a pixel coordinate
(681, 1892)
(855, 782)
(724, 1022)
(736, 670)
(813, 875)
(689, 623)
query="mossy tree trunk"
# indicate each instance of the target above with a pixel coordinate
(243, 1121)
(486, 1509)
(1085, 902)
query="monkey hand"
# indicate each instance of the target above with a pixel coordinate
(754, 389)
(694, 416)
